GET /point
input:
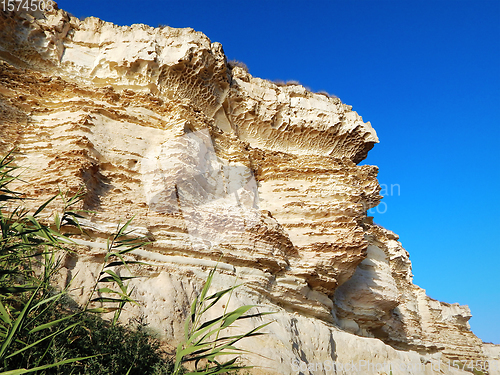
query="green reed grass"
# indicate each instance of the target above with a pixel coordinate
(40, 334)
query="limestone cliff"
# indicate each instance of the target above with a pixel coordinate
(218, 165)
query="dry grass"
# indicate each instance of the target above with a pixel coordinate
(236, 63)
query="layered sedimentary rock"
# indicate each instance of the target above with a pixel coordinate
(218, 166)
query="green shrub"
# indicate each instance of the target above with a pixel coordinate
(38, 332)
(41, 334)
(110, 349)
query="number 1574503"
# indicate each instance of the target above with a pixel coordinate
(27, 5)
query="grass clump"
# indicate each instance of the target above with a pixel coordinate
(39, 333)
(106, 349)
(206, 341)
(281, 83)
(236, 63)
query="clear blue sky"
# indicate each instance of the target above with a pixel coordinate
(426, 74)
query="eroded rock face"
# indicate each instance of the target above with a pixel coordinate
(380, 300)
(217, 165)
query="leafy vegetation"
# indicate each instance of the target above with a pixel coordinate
(101, 348)
(203, 342)
(41, 333)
